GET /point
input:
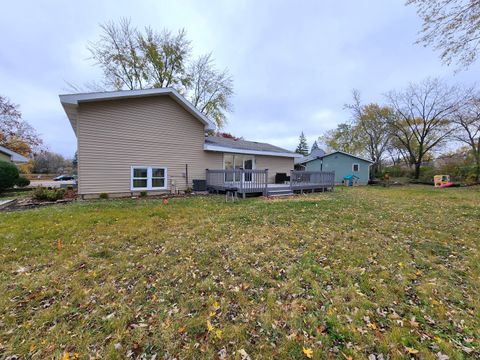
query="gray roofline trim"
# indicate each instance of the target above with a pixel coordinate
(72, 101)
(345, 153)
(308, 158)
(217, 148)
(16, 157)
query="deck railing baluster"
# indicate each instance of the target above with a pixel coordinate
(246, 180)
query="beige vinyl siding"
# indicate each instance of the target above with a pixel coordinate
(5, 157)
(274, 164)
(115, 135)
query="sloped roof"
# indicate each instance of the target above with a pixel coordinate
(16, 157)
(315, 154)
(312, 157)
(70, 102)
(222, 144)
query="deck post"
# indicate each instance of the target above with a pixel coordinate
(291, 179)
(265, 192)
(242, 177)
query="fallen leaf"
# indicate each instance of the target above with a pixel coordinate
(411, 350)
(209, 326)
(308, 352)
(244, 355)
(441, 356)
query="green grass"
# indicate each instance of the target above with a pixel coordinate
(347, 274)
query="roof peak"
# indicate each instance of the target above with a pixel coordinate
(71, 101)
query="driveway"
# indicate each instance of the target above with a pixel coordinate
(50, 183)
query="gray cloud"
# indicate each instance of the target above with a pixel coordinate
(294, 62)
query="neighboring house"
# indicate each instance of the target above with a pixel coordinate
(11, 156)
(154, 140)
(342, 163)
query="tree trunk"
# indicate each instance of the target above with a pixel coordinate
(477, 160)
(477, 168)
(417, 170)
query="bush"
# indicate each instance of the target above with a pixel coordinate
(103, 196)
(8, 175)
(427, 173)
(44, 194)
(393, 171)
(143, 194)
(22, 181)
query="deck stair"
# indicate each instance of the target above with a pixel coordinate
(280, 191)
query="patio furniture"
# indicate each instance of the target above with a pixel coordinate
(281, 178)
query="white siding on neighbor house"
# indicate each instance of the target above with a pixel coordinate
(155, 131)
(5, 157)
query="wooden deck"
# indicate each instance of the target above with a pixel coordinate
(256, 182)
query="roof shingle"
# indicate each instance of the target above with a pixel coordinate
(243, 144)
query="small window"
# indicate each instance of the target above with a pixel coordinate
(158, 177)
(139, 178)
(148, 178)
(356, 167)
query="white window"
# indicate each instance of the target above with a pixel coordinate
(149, 178)
(356, 167)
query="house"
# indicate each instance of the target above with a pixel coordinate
(342, 163)
(11, 156)
(154, 140)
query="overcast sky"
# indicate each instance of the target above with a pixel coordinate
(294, 62)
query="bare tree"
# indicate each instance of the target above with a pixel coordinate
(452, 27)
(422, 117)
(467, 120)
(15, 133)
(372, 127)
(345, 138)
(117, 53)
(48, 162)
(210, 90)
(165, 55)
(131, 59)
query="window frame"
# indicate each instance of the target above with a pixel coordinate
(353, 167)
(149, 177)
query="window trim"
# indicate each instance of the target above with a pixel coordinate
(149, 177)
(353, 167)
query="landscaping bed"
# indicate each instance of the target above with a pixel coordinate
(23, 200)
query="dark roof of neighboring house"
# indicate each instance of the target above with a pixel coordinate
(315, 154)
(244, 145)
(312, 157)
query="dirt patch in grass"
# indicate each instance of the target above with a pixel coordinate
(390, 272)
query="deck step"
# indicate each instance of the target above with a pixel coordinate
(280, 192)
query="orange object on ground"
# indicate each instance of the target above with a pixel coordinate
(58, 244)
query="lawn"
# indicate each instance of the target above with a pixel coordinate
(354, 274)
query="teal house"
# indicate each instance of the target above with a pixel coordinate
(342, 163)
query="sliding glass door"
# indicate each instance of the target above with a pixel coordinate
(238, 162)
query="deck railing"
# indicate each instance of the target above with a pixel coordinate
(241, 179)
(256, 181)
(301, 179)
